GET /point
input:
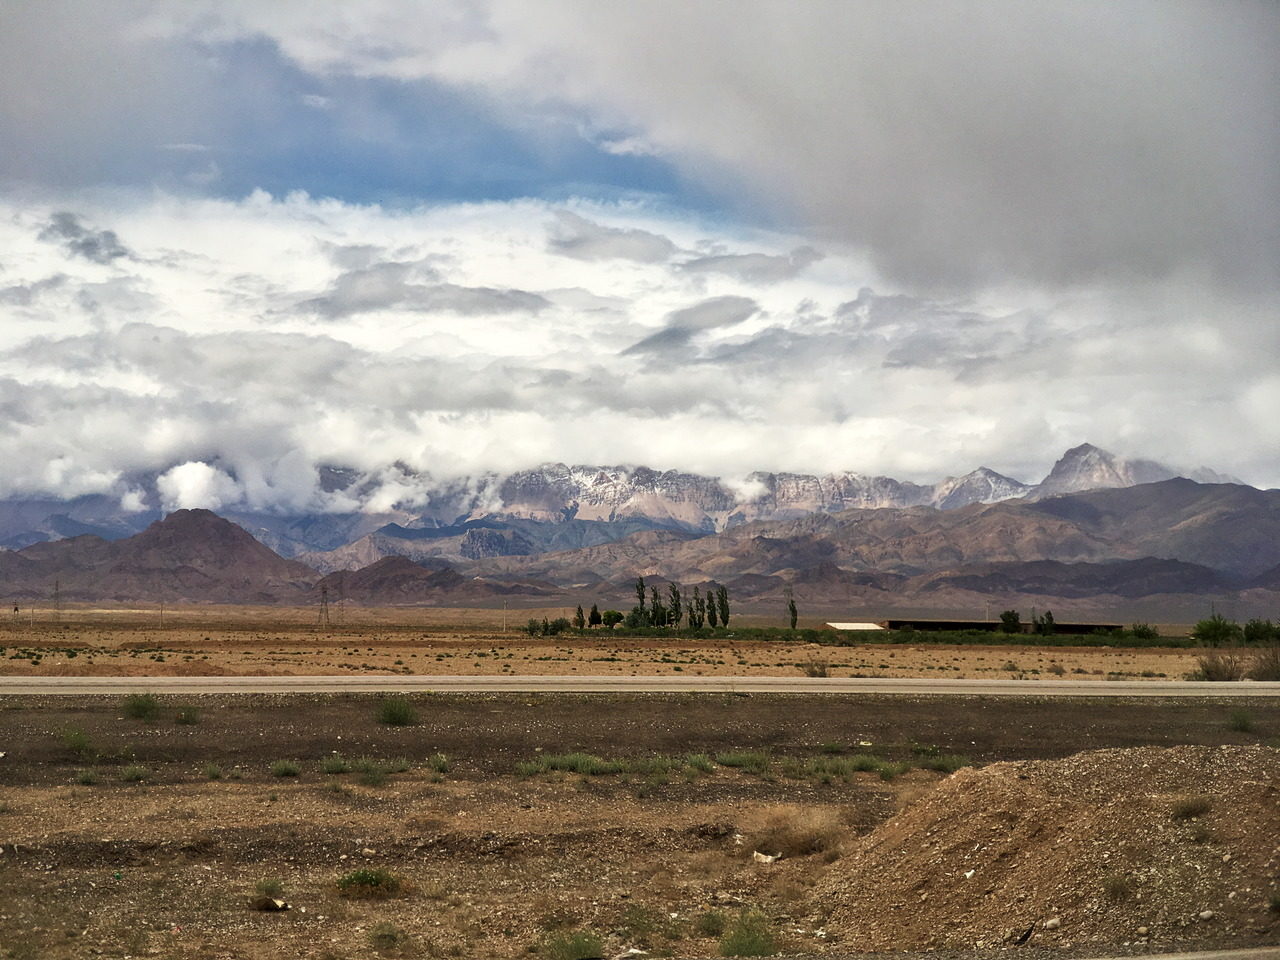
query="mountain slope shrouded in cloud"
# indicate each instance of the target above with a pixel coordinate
(553, 507)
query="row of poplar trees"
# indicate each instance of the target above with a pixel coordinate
(697, 610)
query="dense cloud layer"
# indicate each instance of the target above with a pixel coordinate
(205, 358)
(1010, 227)
(960, 142)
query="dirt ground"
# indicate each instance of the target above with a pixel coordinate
(125, 836)
(238, 641)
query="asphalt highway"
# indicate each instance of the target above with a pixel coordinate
(82, 686)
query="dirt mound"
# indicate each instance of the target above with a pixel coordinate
(1183, 841)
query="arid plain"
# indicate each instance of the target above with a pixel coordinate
(552, 824)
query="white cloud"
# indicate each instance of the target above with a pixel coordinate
(190, 486)
(193, 352)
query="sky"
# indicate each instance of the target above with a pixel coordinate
(241, 241)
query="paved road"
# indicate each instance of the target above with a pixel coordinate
(571, 684)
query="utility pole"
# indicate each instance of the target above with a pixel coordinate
(161, 614)
(57, 601)
(504, 615)
(324, 607)
(342, 596)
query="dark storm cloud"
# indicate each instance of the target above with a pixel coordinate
(99, 246)
(396, 286)
(682, 325)
(755, 267)
(582, 239)
(963, 143)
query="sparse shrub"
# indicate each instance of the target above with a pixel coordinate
(946, 762)
(713, 923)
(1117, 887)
(700, 762)
(212, 771)
(1057, 669)
(1241, 721)
(1219, 666)
(814, 668)
(1275, 901)
(334, 764)
(575, 945)
(749, 936)
(285, 768)
(438, 763)
(1010, 667)
(795, 831)
(385, 936)
(888, 771)
(134, 773)
(373, 774)
(269, 887)
(142, 706)
(1188, 808)
(399, 765)
(397, 712)
(369, 883)
(752, 761)
(78, 742)
(1266, 664)
(86, 778)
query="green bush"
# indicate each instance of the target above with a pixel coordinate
(1217, 631)
(369, 883)
(78, 742)
(438, 763)
(134, 773)
(86, 778)
(213, 771)
(141, 706)
(334, 764)
(575, 945)
(1144, 631)
(397, 712)
(285, 768)
(713, 923)
(1261, 631)
(749, 936)
(269, 887)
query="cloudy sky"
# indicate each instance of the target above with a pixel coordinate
(239, 240)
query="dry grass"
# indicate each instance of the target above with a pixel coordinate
(795, 831)
(1266, 664)
(1221, 665)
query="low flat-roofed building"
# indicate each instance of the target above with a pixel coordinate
(855, 626)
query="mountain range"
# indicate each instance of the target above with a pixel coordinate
(1165, 542)
(555, 506)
